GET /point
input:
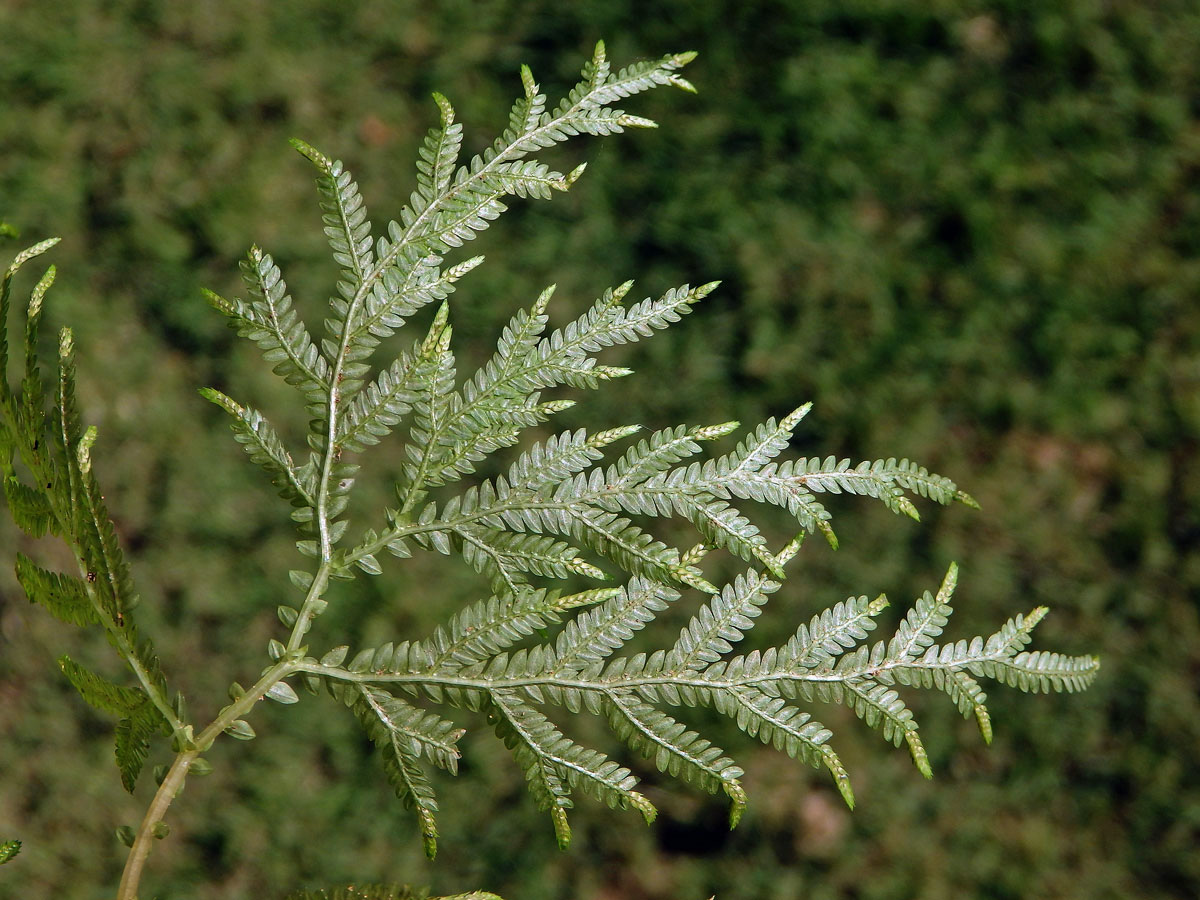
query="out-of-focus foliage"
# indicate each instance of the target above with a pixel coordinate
(969, 230)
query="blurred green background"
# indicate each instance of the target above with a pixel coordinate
(969, 231)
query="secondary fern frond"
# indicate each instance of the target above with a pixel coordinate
(270, 320)
(265, 447)
(824, 662)
(58, 494)
(402, 733)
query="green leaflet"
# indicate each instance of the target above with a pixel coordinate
(403, 733)
(8, 850)
(133, 743)
(138, 718)
(30, 508)
(553, 764)
(763, 692)
(99, 692)
(66, 598)
(265, 447)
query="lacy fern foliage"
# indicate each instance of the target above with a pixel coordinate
(579, 506)
(561, 511)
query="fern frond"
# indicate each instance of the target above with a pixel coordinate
(427, 734)
(435, 403)
(66, 598)
(674, 749)
(787, 728)
(557, 459)
(553, 763)
(830, 633)
(381, 405)
(401, 748)
(5, 292)
(31, 509)
(720, 623)
(439, 153)
(99, 692)
(596, 634)
(565, 353)
(345, 216)
(506, 557)
(1042, 671)
(90, 526)
(560, 510)
(271, 322)
(485, 629)
(925, 620)
(133, 743)
(265, 448)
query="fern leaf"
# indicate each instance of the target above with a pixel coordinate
(32, 396)
(399, 293)
(719, 623)
(31, 509)
(557, 459)
(506, 557)
(400, 750)
(609, 323)
(435, 372)
(66, 598)
(526, 113)
(832, 632)
(787, 728)
(881, 707)
(617, 539)
(522, 730)
(1041, 671)
(133, 743)
(90, 527)
(499, 401)
(554, 763)
(487, 628)
(20, 260)
(273, 324)
(596, 634)
(925, 621)
(439, 153)
(99, 692)
(8, 850)
(674, 749)
(761, 446)
(599, 87)
(378, 408)
(265, 448)
(427, 734)
(345, 216)
(657, 454)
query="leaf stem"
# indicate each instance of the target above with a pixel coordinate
(172, 784)
(142, 843)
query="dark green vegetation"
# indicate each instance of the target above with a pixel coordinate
(967, 233)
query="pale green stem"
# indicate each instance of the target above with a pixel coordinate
(173, 782)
